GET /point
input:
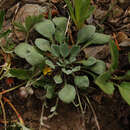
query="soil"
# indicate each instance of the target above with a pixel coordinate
(112, 113)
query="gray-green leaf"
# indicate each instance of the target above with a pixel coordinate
(55, 50)
(46, 28)
(58, 79)
(67, 94)
(64, 50)
(99, 67)
(74, 51)
(50, 91)
(99, 38)
(50, 64)
(28, 52)
(81, 81)
(89, 62)
(43, 44)
(85, 33)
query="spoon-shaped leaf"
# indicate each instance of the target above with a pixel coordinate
(67, 94)
(45, 28)
(85, 33)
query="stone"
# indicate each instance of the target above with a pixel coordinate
(34, 1)
(121, 36)
(5, 4)
(99, 52)
(126, 20)
(99, 14)
(125, 43)
(124, 3)
(27, 10)
(117, 11)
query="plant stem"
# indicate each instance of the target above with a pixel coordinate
(4, 114)
(94, 113)
(80, 104)
(9, 90)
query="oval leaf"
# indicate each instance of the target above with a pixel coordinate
(43, 44)
(50, 63)
(99, 38)
(55, 50)
(67, 94)
(45, 28)
(99, 67)
(50, 91)
(85, 33)
(81, 81)
(74, 51)
(58, 79)
(64, 50)
(28, 52)
(89, 62)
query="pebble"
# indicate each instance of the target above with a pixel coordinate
(124, 3)
(99, 52)
(34, 1)
(5, 4)
(121, 36)
(117, 11)
(99, 14)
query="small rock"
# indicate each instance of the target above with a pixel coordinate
(117, 12)
(125, 43)
(124, 3)
(99, 14)
(127, 12)
(126, 20)
(114, 21)
(99, 52)
(27, 10)
(34, 1)
(5, 4)
(121, 36)
(55, 1)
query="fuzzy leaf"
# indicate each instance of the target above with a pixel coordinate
(50, 91)
(98, 68)
(67, 94)
(74, 51)
(60, 23)
(50, 64)
(64, 50)
(81, 81)
(99, 38)
(58, 79)
(85, 33)
(28, 52)
(43, 44)
(55, 50)
(89, 62)
(46, 28)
